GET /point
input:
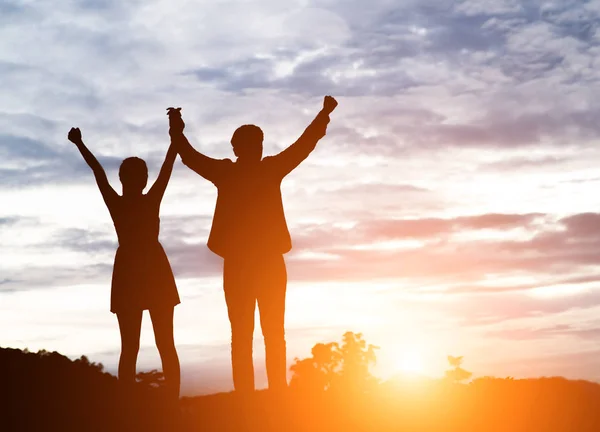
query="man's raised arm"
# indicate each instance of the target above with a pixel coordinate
(207, 167)
(292, 156)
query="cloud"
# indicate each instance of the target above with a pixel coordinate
(552, 248)
(8, 221)
(419, 228)
(45, 277)
(29, 162)
(367, 232)
(80, 240)
(549, 332)
(527, 163)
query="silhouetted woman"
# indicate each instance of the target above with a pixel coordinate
(142, 276)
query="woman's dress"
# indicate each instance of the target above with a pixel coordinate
(142, 276)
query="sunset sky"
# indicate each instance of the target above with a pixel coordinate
(450, 210)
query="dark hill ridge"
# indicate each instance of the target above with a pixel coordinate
(49, 392)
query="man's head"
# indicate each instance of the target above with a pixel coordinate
(133, 174)
(247, 142)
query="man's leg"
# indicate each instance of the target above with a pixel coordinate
(241, 301)
(271, 304)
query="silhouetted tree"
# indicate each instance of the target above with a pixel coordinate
(457, 374)
(334, 366)
(357, 358)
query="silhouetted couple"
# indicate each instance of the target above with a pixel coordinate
(249, 232)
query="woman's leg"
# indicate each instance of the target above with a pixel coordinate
(130, 324)
(162, 322)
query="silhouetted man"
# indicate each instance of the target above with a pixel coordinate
(250, 232)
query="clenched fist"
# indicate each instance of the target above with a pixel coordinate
(74, 135)
(329, 104)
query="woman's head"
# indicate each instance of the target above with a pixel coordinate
(247, 142)
(133, 174)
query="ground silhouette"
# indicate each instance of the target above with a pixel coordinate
(49, 392)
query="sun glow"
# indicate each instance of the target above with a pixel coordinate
(410, 362)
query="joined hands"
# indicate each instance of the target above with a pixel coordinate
(176, 123)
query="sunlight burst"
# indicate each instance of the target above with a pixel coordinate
(410, 362)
